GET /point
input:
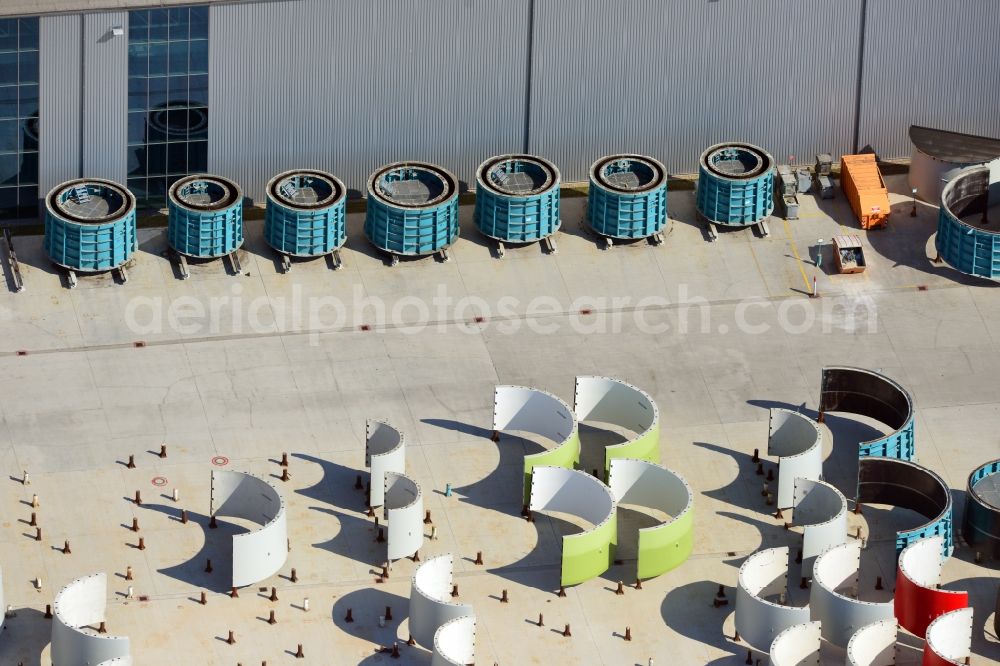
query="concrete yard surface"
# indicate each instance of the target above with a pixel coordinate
(233, 371)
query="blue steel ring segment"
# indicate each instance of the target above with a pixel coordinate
(735, 184)
(413, 229)
(627, 197)
(305, 227)
(85, 243)
(968, 248)
(872, 394)
(981, 520)
(911, 486)
(205, 230)
(517, 198)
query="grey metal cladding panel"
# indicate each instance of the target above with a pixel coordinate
(350, 86)
(105, 96)
(59, 111)
(929, 63)
(671, 78)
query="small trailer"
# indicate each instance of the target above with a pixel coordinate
(848, 254)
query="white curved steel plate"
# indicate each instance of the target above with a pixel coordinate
(430, 589)
(949, 636)
(81, 603)
(261, 553)
(571, 491)
(873, 644)
(758, 620)
(821, 511)
(797, 645)
(798, 442)
(841, 615)
(404, 513)
(532, 410)
(385, 451)
(455, 642)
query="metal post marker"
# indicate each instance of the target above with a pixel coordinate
(819, 252)
(913, 211)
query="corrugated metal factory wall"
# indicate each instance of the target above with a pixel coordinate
(59, 94)
(929, 63)
(105, 96)
(670, 79)
(348, 87)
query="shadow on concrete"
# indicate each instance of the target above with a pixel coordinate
(500, 490)
(594, 440)
(217, 546)
(688, 610)
(336, 487)
(541, 567)
(366, 605)
(356, 537)
(743, 491)
(25, 637)
(407, 655)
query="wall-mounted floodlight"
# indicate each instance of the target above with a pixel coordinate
(117, 31)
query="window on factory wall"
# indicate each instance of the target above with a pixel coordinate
(18, 118)
(167, 99)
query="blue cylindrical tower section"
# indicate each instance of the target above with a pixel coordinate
(206, 216)
(517, 200)
(412, 208)
(962, 239)
(627, 196)
(305, 213)
(90, 225)
(735, 184)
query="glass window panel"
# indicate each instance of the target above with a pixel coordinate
(137, 186)
(10, 130)
(156, 159)
(28, 31)
(29, 169)
(198, 123)
(178, 23)
(8, 34)
(136, 161)
(28, 104)
(156, 126)
(8, 202)
(178, 90)
(198, 157)
(27, 198)
(199, 56)
(138, 59)
(137, 91)
(156, 190)
(199, 23)
(179, 57)
(8, 69)
(177, 158)
(158, 59)
(158, 92)
(198, 92)
(158, 25)
(8, 101)
(29, 133)
(10, 164)
(178, 124)
(136, 127)
(138, 26)
(29, 66)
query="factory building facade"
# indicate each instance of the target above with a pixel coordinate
(143, 92)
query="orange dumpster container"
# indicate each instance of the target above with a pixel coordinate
(863, 185)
